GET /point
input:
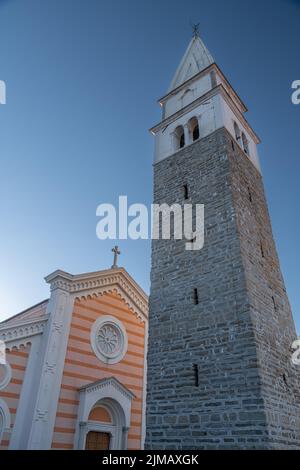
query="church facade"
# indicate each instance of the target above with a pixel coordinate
(75, 366)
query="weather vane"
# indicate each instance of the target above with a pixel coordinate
(195, 28)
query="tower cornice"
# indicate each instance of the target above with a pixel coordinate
(196, 77)
(202, 99)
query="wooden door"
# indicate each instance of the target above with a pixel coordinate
(97, 441)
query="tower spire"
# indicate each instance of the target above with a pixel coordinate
(196, 58)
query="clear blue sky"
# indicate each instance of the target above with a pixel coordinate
(82, 82)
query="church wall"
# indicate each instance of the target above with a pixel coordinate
(17, 359)
(83, 367)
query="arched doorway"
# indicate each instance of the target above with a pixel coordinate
(105, 427)
(100, 421)
(104, 416)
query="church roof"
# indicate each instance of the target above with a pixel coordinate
(196, 58)
(31, 313)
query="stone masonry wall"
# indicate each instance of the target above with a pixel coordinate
(228, 334)
(270, 310)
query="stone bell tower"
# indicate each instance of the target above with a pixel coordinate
(220, 326)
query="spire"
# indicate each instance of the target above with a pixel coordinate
(196, 58)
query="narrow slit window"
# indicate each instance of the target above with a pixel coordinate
(186, 191)
(262, 250)
(249, 194)
(196, 297)
(274, 303)
(196, 374)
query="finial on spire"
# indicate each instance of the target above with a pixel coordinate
(195, 27)
(116, 253)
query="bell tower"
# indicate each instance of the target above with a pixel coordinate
(220, 326)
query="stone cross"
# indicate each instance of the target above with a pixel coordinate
(116, 252)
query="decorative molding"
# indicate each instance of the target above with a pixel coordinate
(101, 282)
(116, 398)
(202, 100)
(213, 67)
(19, 334)
(103, 383)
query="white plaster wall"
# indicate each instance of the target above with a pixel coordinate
(210, 118)
(182, 98)
(228, 121)
(212, 115)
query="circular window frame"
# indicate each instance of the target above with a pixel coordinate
(7, 375)
(96, 327)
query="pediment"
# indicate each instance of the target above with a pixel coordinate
(83, 286)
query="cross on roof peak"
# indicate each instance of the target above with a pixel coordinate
(116, 253)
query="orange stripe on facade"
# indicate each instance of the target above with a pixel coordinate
(16, 381)
(91, 354)
(134, 436)
(75, 326)
(102, 301)
(93, 379)
(18, 353)
(60, 445)
(60, 414)
(135, 424)
(87, 341)
(121, 303)
(9, 394)
(65, 430)
(103, 312)
(68, 401)
(121, 307)
(18, 367)
(92, 366)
